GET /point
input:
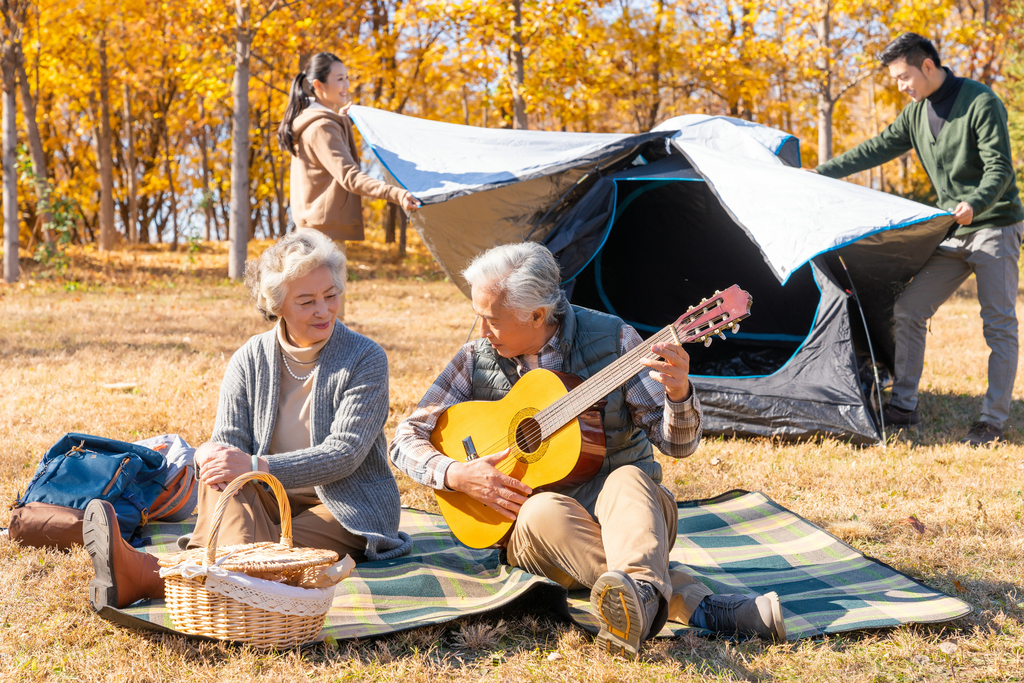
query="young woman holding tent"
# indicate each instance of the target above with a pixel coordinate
(326, 179)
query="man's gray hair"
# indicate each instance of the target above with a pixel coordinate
(525, 275)
(293, 256)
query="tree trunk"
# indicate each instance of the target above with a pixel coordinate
(403, 223)
(133, 199)
(205, 155)
(389, 223)
(106, 240)
(10, 181)
(239, 227)
(35, 143)
(655, 105)
(825, 109)
(277, 177)
(174, 194)
(519, 121)
(826, 103)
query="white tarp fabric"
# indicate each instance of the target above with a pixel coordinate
(438, 161)
(726, 134)
(793, 215)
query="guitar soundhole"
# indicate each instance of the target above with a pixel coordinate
(525, 438)
(528, 436)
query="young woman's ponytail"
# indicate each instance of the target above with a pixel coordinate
(301, 95)
(298, 99)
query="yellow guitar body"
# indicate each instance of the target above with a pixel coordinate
(493, 426)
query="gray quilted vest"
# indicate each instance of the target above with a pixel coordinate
(589, 341)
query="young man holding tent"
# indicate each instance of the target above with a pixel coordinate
(613, 533)
(958, 127)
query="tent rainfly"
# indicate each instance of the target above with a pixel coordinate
(645, 226)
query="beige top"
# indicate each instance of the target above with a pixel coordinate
(291, 428)
(326, 179)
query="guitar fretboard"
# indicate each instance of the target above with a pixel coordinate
(599, 385)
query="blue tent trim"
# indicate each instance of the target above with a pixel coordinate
(616, 212)
(817, 312)
(906, 224)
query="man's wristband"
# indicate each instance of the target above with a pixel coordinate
(255, 463)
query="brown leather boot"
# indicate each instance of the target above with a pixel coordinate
(123, 574)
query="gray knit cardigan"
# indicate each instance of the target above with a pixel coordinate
(348, 465)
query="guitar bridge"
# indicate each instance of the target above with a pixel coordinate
(471, 453)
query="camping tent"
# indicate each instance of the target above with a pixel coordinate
(647, 225)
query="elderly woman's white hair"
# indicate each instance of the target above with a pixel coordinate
(293, 256)
(525, 275)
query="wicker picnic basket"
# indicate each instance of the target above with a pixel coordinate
(196, 610)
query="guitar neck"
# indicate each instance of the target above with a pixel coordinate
(602, 383)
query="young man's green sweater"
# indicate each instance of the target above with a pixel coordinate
(969, 162)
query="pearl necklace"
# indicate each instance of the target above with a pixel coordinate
(301, 379)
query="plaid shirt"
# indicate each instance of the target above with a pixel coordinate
(411, 451)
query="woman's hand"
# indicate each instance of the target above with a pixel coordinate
(410, 203)
(219, 465)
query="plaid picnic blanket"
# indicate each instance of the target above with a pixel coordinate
(738, 542)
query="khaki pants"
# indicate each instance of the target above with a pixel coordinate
(633, 529)
(252, 516)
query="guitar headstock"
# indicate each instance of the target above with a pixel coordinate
(713, 316)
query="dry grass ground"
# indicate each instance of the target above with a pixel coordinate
(165, 325)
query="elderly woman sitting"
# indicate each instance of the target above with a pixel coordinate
(305, 401)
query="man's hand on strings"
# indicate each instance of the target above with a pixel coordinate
(481, 480)
(673, 370)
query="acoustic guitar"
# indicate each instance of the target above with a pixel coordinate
(551, 424)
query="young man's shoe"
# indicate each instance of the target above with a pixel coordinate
(631, 611)
(983, 434)
(898, 417)
(123, 574)
(742, 615)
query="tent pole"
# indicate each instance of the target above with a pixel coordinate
(871, 350)
(471, 330)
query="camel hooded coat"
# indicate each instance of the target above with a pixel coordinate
(326, 179)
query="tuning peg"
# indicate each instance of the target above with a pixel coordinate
(703, 300)
(707, 342)
(735, 328)
(721, 335)
(717, 292)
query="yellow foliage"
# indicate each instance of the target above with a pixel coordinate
(589, 65)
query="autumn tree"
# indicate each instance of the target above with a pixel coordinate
(13, 20)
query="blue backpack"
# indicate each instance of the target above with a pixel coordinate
(80, 467)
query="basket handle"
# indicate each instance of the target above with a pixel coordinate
(226, 495)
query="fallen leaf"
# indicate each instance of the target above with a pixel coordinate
(555, 656)
(913, 521)
(959, 586)
(920, 660)
(715, 461)
(948, 647)
(119, 386)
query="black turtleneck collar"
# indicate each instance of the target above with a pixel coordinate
(940, 102)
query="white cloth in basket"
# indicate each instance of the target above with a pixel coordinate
(266, 595)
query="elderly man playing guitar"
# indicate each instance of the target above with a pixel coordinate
(612, 532)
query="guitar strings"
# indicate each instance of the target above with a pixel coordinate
(615, 375)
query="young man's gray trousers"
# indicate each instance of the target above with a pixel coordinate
(991, 254)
